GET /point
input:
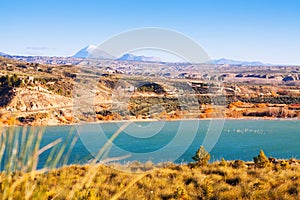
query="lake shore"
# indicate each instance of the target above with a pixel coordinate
(154, 120)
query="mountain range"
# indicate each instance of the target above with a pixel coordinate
(224, 61)
(3, 54)
(131, 57)
(92, 51)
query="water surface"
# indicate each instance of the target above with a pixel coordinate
(178, 140)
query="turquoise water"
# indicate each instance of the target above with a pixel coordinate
(177, 141)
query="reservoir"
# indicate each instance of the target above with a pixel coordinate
(169, 141)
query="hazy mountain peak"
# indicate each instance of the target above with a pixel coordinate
(132, 57)
(92, 51)
(225, 61)
(3, 54)
(91, 47)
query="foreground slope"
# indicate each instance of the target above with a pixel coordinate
(167, 181)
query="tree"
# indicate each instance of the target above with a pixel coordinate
(3, 81)
(15, 81)
(10, 81)
(223, 162)
(202, 157)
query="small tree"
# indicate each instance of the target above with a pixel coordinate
(202, 157)
(3, 81)
(261, 160)
(15, 80)
(10, 81)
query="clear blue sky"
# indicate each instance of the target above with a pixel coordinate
(265, 30)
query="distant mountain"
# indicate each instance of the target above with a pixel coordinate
(224, 61)
(3, 54)
(92, 51)
(131, 57)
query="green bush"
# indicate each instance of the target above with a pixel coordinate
(238, 164)
(223, 162)
(261, 160)
(202, 157)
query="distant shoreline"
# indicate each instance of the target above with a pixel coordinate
(159, 120)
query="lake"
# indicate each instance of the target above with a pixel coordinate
(177, 141)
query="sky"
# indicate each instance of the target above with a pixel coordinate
(251, 30)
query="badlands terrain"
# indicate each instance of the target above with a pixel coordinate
(73, 90)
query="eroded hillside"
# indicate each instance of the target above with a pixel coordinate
(63, 94)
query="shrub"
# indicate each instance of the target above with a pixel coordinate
(223, 163)
(202, 157)
(261, 160)
(284, 164)
(238, 164)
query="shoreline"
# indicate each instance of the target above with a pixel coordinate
(156, 120)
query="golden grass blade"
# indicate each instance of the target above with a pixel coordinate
(86, 181)
(49, 146)
(62, 149)
(119, 194)
(109, 142)
(107, 160)
(32, 161)
(2, 145)
(45, 148)
(67, 156)
(57, 152)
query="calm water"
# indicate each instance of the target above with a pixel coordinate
(178, 141)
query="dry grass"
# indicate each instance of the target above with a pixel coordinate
(164, 181)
